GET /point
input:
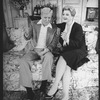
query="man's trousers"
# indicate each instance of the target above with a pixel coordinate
(25, 68)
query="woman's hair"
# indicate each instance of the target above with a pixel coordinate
(71, 9)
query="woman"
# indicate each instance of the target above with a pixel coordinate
(73, 53)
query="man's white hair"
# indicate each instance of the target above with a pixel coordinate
(46, 10)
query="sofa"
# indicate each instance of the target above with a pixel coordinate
(84, 81)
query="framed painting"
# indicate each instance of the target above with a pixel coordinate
(92, 14)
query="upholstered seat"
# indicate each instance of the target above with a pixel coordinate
(86, 76)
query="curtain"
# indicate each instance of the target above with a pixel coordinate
(7, 13)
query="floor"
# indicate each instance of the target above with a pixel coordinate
(89, 93)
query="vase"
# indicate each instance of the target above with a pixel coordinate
(21, 13)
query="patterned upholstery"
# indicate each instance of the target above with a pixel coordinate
(85, 77)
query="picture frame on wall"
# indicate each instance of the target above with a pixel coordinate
(92, 14)
(72, 1)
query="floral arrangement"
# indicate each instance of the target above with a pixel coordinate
(19, 4)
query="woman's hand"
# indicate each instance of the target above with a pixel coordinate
(63, 35)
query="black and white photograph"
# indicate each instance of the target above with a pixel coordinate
(50, 50)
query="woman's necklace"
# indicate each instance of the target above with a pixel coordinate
(67, 32)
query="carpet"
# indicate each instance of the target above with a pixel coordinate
(88, 93)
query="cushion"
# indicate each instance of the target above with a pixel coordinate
(17, 35)
(91, 36)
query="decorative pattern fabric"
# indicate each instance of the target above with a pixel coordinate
(91, 36)
(17, 35)
(86, 75)
(84, 78)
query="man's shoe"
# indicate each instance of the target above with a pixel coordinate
(31, 96)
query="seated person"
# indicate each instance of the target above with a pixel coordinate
(45, 37)
(73, 51)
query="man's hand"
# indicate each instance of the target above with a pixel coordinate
(44, 52)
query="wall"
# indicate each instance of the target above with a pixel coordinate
(15, 13)
(9, 13)
(81, 9)
(80, 6)
(92, 3)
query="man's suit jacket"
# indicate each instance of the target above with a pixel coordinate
(52, 37)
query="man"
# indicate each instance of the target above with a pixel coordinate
(44, 37)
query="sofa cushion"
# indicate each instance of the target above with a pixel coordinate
(17, 36)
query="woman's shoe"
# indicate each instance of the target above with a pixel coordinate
(51, 96)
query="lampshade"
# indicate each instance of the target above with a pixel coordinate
(92, 3)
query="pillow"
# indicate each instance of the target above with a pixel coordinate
(91, 36)
(17, 35)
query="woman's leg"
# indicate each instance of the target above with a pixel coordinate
(66, 82)
(60, 69)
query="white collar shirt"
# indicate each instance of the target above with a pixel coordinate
(42, 35)
(67, 32)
